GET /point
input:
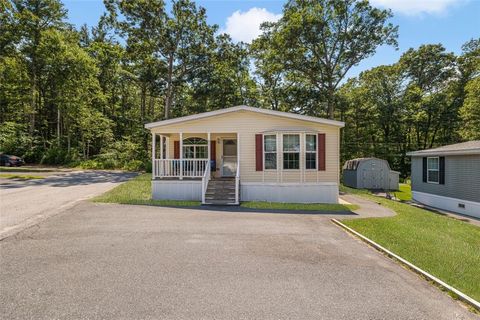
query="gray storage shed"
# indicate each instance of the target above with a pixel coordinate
(370, 173)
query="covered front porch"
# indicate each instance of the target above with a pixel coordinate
(184, 163)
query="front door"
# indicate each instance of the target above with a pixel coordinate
(229, 158)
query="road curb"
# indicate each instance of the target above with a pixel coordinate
(462, 296)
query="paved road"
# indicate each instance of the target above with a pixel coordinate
(100, 261)
(22, 202)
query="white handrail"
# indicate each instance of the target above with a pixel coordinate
(237, 184)
(176, 168)
(205, 180)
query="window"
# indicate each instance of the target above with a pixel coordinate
(432, 170)
(270, 151)
(195, 148)
(311, 151)
(291, 151)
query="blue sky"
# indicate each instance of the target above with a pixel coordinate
(450, 22)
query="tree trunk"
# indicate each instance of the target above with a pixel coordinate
(168, 98)
(331, 102)
(58, 127)
(33, 105)
(143, 102)
(151, 106)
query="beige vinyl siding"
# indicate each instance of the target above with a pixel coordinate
(247, 124)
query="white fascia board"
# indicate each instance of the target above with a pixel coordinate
(444, 153)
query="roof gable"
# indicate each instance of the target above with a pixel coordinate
(244, 108)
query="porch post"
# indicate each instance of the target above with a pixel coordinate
(238, 154)
(154, 169)
(208, 146)
(181, 155)
(161, 146)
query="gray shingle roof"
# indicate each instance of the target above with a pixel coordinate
(469, 147)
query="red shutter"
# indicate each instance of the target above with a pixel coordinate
(213, 150)
(259, 152)
(321, 152)
(176, 149)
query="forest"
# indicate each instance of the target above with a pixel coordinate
(81, 96)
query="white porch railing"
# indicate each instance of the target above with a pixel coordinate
(176, 168)
(205, 180)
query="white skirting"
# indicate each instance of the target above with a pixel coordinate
(449, 204)
(289, 192)
(177, 190)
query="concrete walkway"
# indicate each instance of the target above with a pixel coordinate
(368, 209)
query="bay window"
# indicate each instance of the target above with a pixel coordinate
(291, 151)
(310, 151)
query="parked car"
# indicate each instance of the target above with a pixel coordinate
(10, 161)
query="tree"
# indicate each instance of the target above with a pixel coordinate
(470, 111)
(323, 39)
(181, 41)
(33, 18)
(429, 70)
(225, 81)
(8, 34)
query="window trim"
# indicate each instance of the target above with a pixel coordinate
(437, 170)
(299, 151)
(315, 152)
(205, 145)
(264, 152)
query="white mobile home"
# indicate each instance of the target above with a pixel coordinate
(245, 154)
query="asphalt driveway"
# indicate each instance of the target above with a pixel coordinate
(100, 261)
(23, 203)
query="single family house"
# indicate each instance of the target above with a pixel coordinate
(448, 177)
(246, 154)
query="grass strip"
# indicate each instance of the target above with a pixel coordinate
(139, 191)
(443, 246)
(19, 176)
(298, 206)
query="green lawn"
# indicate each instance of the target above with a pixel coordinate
(299, 206)
(139, 191)
(23, 169)
(19, 176)
(445, 247)
(405, 192)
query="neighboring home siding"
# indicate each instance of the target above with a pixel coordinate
(247, 124)
(462, 178)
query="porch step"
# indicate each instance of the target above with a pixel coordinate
(221, 202)
(217, 193)
(220, 191)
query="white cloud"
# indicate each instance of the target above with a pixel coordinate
(415, 7)
(245, 26)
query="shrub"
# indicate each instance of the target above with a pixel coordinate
(14, 138)
(56, 155)
(134, 165)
